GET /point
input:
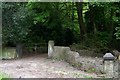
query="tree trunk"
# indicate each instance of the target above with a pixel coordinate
(92, 18)
(19, 50)
(94, 26)
(79, 6)
(111, 22)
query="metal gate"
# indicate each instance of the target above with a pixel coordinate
(37, 48)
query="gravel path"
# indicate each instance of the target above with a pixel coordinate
(40, 67)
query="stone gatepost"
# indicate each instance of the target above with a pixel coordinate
(19, 51)
(50, 49)
(119, 67)
(108, 65)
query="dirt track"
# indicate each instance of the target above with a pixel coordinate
(40, 67)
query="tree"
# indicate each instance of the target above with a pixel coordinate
(117, 20)
(56, 17)
(79, 6)
(16, 22)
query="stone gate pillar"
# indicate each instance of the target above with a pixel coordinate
(19, 47)
(50, 49)
(119, 70)
(108, 65)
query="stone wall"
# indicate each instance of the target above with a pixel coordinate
(88, 64)
(91, 64)
(8, 53)
(0, 52)
(61, 52)
(72, 57)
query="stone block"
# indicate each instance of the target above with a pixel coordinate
(61, 52)
(73, 57)
(109, 65)
(50, 49)
(108, 56)
(9, 53)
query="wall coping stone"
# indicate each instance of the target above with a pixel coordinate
(108, 56)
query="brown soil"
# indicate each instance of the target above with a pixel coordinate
(39, 66)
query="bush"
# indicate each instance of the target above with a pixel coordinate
(98, 43)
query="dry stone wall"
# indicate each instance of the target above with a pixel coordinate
(61, 52)
(72, 57)
(89, 64)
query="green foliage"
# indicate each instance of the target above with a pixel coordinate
(96, 44)
(4, 75)
(91, 70)
(102, 19)
(103, 38)
(99, 40)
(88, 77)
(118, 32)
(117, 20)
(17, 16)
(51, 21)
(40, 22)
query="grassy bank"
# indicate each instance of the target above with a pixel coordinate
(3, 75)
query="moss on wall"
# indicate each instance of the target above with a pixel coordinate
(8, 53)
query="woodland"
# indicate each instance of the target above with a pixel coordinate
(85, 25)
